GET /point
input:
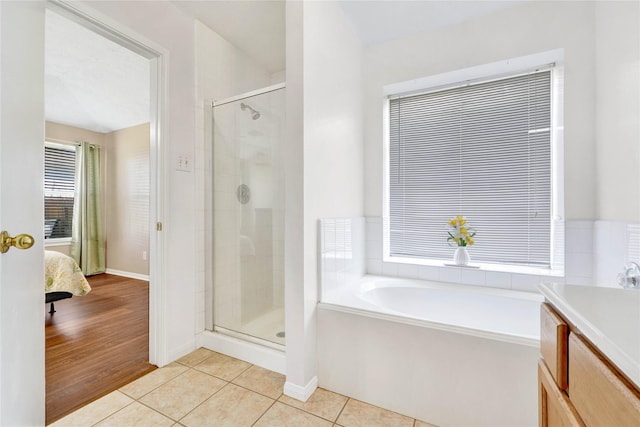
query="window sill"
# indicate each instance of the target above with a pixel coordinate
(502, 268)
(64, 241)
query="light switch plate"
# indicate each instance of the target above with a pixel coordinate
(184, 162)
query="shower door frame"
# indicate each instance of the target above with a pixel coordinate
(246, 95)
(210, 316)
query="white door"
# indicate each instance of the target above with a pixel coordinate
(22, 371)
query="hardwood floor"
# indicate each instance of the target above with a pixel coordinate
(96, 343)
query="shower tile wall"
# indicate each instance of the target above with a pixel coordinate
(595, 252)
(255, 265)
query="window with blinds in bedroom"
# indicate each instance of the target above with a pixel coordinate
(59, 188)
(483, 150)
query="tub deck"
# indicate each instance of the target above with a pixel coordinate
(500, 314)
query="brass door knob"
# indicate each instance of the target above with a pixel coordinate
(21, 241)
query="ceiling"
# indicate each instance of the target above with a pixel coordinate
(91, 82)
(96, 84)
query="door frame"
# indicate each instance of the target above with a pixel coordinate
(158, 60)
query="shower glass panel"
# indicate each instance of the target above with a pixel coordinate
(248, 213)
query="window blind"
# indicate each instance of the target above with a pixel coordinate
(482, 151)
(59, 186)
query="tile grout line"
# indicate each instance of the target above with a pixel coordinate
(152, 390)
(185, 372)
(202, 403)
(311, 413)
(342, 409)
(263, 414)
(189, 368)
(274, 400)
(113, 413)
(193, 368)
(304, 410)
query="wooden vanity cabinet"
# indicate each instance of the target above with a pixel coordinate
(577, 385)
(554, 333)
(554, 407)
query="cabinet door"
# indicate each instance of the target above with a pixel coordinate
(554, 408)
(601, 396)
(553, 344)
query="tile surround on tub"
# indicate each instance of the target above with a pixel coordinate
(615, 244)
(594, 253)
(342, 251)
(427, 272)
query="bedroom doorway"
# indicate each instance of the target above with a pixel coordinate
(127, 132)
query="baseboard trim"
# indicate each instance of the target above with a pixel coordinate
(299, 392)
(127, 274)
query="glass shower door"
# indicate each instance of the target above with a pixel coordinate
(248, 228)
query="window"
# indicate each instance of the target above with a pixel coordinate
(59, 186)
(482, 150)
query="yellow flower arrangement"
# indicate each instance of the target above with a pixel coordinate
(460, 232)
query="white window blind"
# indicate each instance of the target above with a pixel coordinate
(482, 151)
(59, 178)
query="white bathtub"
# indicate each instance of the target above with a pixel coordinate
(489, 312)
(444, 353)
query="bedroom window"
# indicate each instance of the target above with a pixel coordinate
(59, 188)
(482, 149)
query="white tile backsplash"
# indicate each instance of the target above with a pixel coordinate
(579, 240)
(374, 229)
(342, 251)
(611, 242)
(374, 249)
(579, 264)
(633, 242)
(449, 274)
(498, 279)
(594, 253)
(473, 276)
(408, 271)
(375, 267)
(427, 272)
(390, 269)
(525, 282)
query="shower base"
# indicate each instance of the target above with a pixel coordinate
(269, 327)
(266, 329)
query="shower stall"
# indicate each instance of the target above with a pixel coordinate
(248, 217)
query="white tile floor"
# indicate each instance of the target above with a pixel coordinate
(206, 388)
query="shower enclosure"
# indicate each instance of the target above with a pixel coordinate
(248, 216)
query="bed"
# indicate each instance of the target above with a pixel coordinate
(62, 279)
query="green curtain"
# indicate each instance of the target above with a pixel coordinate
(87, 239)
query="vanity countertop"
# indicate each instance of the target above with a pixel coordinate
(608, 317)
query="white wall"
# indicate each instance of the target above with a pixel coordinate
(299, 363)
(324, 160)
(163, 25)
(531, 28)
(618, 110)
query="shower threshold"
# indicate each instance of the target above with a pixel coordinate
(250, 338)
